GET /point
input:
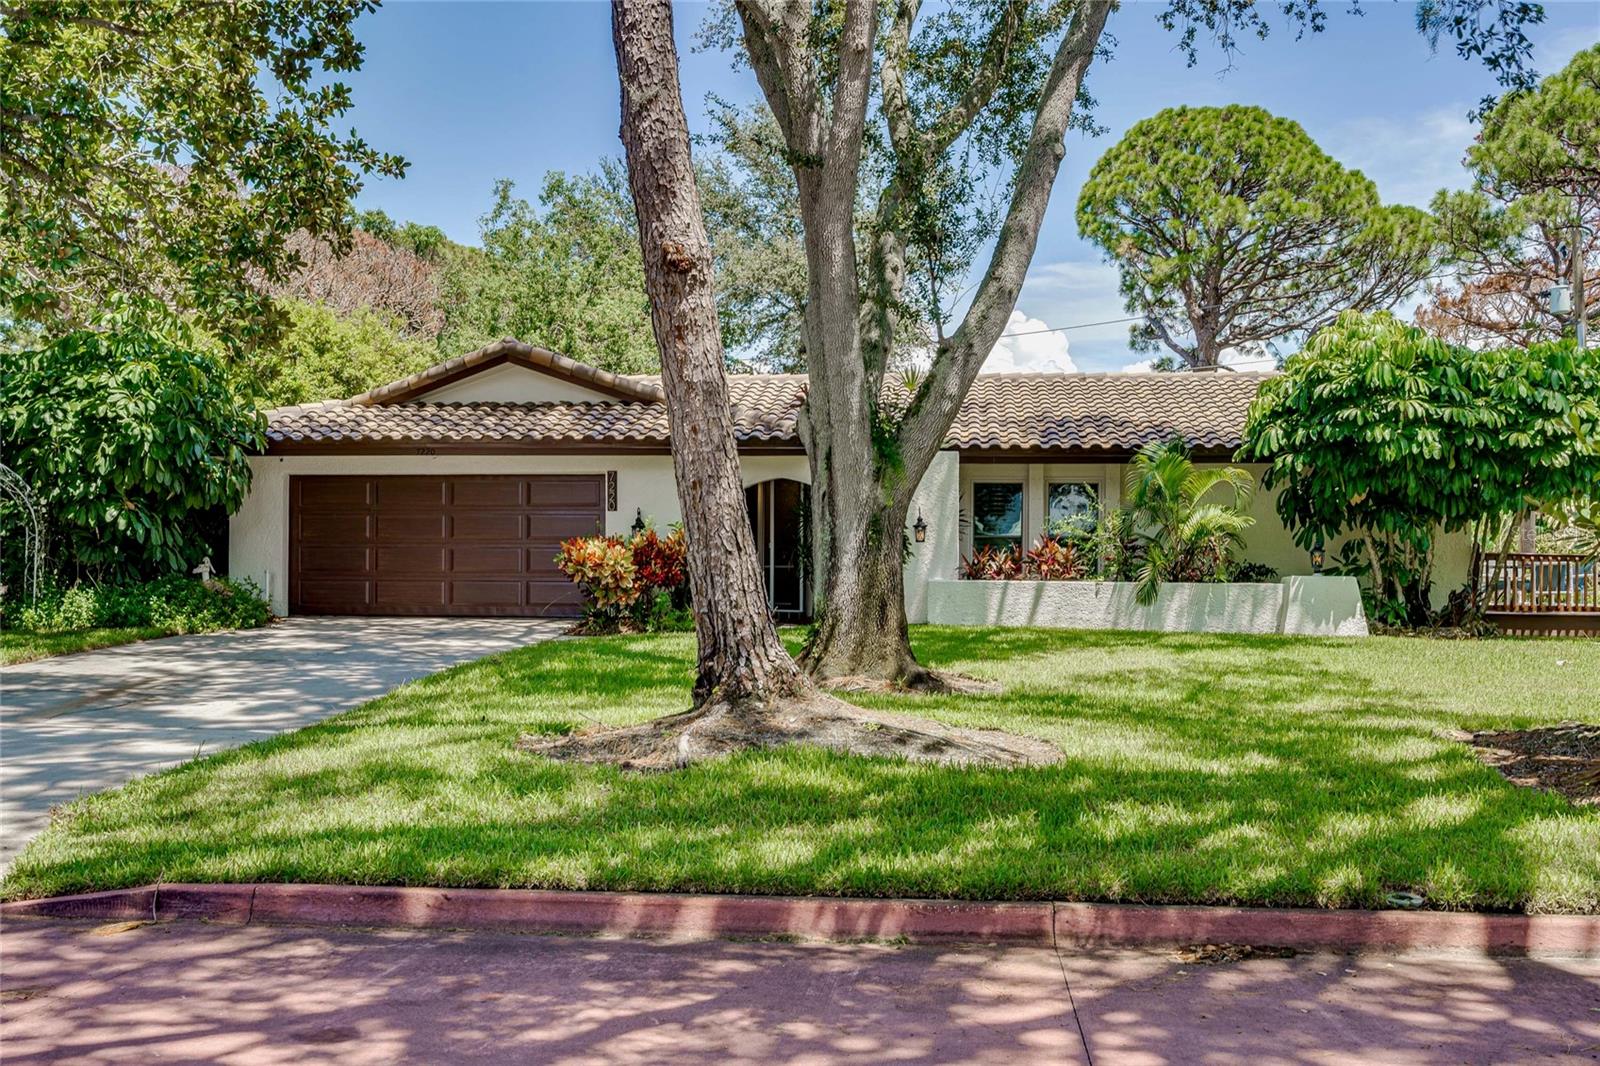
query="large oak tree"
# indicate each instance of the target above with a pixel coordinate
(748, 692)
(963, 92)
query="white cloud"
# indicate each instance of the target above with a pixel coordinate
(1410, 157)
(1031, 351)
(1143, 366)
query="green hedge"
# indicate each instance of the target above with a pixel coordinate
(178, 604)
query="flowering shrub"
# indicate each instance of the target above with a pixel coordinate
(641, 580)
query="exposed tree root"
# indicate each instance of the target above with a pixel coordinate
(920, 680)
(722, 728)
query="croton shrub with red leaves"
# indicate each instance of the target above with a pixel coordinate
(636, 582)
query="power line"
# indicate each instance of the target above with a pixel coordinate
(1141, 318)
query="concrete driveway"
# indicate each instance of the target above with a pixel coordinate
(81, 723)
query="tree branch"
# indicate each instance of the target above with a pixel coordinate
(958, 360)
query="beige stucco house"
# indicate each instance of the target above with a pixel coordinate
(447, 493)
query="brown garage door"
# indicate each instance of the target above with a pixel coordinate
(437, 545)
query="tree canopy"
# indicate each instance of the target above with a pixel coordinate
(168, 149)
(1378, 430)
(321, 354)
(1232, 229)
(126, 432)
(1536, 174)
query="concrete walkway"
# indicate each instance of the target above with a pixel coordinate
(186, 992)
(81, 723)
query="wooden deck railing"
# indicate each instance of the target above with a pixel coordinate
(1540, 582)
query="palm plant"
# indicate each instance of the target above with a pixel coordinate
(1185, 538)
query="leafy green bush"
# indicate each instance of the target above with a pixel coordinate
(1377, 430)
(174, 603)
(126, 431)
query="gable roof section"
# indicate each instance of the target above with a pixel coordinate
(509, 350)
(1003, 416)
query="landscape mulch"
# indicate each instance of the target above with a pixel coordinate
(1563, 758)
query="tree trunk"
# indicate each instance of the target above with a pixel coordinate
(862, 633)
(748, 692)
(741, 656)
(860, 489)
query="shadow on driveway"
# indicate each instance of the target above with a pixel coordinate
(85, 722)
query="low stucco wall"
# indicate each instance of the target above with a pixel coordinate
(1306, 606)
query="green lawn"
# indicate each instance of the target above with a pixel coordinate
(20, 646)
(1199, 768)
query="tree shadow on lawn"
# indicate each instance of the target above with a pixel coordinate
(1290, 784)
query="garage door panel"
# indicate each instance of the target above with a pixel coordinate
(333, 527)
(579, 493)
(555, 596)
(560, 525)
(487, 525)
(431, 493)
(486, 593)
(339, 595)
(486, 559)
(438, 545)
(542, 558)
(488, 492)
(412, 526)
(344, 493)
(334, 558)
(411, 559)
(399, 592)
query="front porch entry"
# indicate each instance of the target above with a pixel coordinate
(779, 518)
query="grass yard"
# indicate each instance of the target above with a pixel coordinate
(1200, 769)
(21, 646)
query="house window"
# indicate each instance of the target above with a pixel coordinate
(996, 514)
(1071, 505)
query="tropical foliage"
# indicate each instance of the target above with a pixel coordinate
(640, 581)
(167, 149)
(564, 276)
(1536, 176)
(1231, 228)
(1381, 432)
(126, 432)
(1186, 537)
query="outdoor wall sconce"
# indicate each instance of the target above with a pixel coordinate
(919, 530)
(638, 520)
(1318, 557)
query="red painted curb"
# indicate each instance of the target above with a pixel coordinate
(1110, 924)
(651, 914)
(822, 918)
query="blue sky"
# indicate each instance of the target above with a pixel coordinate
(472, 92)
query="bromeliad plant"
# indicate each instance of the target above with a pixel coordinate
(1185, 537)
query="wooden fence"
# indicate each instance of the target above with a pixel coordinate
(1520, 586)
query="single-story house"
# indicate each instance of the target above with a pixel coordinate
(447, 493)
